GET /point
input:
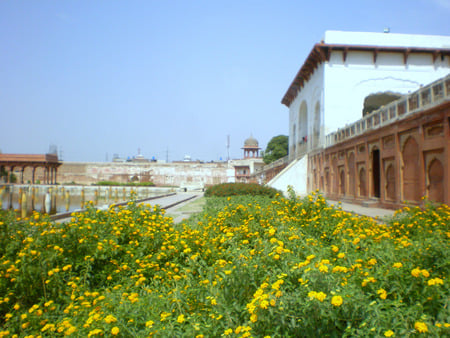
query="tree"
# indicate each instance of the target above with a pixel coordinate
(276, 148)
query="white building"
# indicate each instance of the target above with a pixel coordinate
(328, 91)
(345, 67)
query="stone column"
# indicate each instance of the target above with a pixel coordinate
(33, 174)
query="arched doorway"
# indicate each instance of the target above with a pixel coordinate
(342, 181)
(376, 173)
(436, 180)
(351, 174)
(362, 182)
(390, 182)
(335, 177)
(411, 171)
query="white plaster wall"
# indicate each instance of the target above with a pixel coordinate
(294, 175)
(311, 93)
(347, 84)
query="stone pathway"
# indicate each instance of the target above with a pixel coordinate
(364, 211)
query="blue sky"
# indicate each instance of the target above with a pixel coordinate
(97, 78)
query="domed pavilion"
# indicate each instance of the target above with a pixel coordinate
(251, 148)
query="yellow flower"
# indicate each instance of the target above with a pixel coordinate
(382, 293)
(227, 332)
(435, 281)
(425, 273)
(115, 331)
(372, 261)
(397, 265)
(264, 304)
(181, 319)
(336, 300)
(388, 333)
(110, 319)
(149, 323)
(253, 318)
(421, 327)
(415, 272)
(94, 332)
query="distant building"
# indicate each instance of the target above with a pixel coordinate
(251, 162)
(139, 158)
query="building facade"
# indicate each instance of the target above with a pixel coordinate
(329, 90)
(394, 156)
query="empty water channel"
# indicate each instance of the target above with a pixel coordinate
(60, 199)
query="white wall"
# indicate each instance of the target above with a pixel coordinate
(311, 93)
(347, 84)
(294, 175)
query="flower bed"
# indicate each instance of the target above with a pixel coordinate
(249, 266)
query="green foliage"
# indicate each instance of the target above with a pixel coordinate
(233, 189)
(128, 184)
(249, 266)
(277, 148)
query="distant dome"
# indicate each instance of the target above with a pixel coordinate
(251, 142)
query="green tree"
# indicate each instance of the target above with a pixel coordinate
(276, 148)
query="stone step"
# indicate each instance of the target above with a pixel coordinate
(372, 203)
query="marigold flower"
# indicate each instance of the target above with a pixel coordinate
(397, 265)
(181, 319)
(415, 272)
(421, 327)
(227, 332)
(435, 281)
(253, 318)
(382, 293)
(115, 331)
(388, 333)
(336, 300)
(110, 319)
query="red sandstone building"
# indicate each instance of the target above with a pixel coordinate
(393, 156)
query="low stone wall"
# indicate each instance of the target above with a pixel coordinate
(186, 174)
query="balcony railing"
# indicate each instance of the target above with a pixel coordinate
(432, 94)
(274, 164)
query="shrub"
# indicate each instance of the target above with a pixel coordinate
(249, 266)
(233, 189)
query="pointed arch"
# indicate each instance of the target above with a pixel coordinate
(390, 182)
(436, 179)
(362, 182)
(351, 174)
(411, 170)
